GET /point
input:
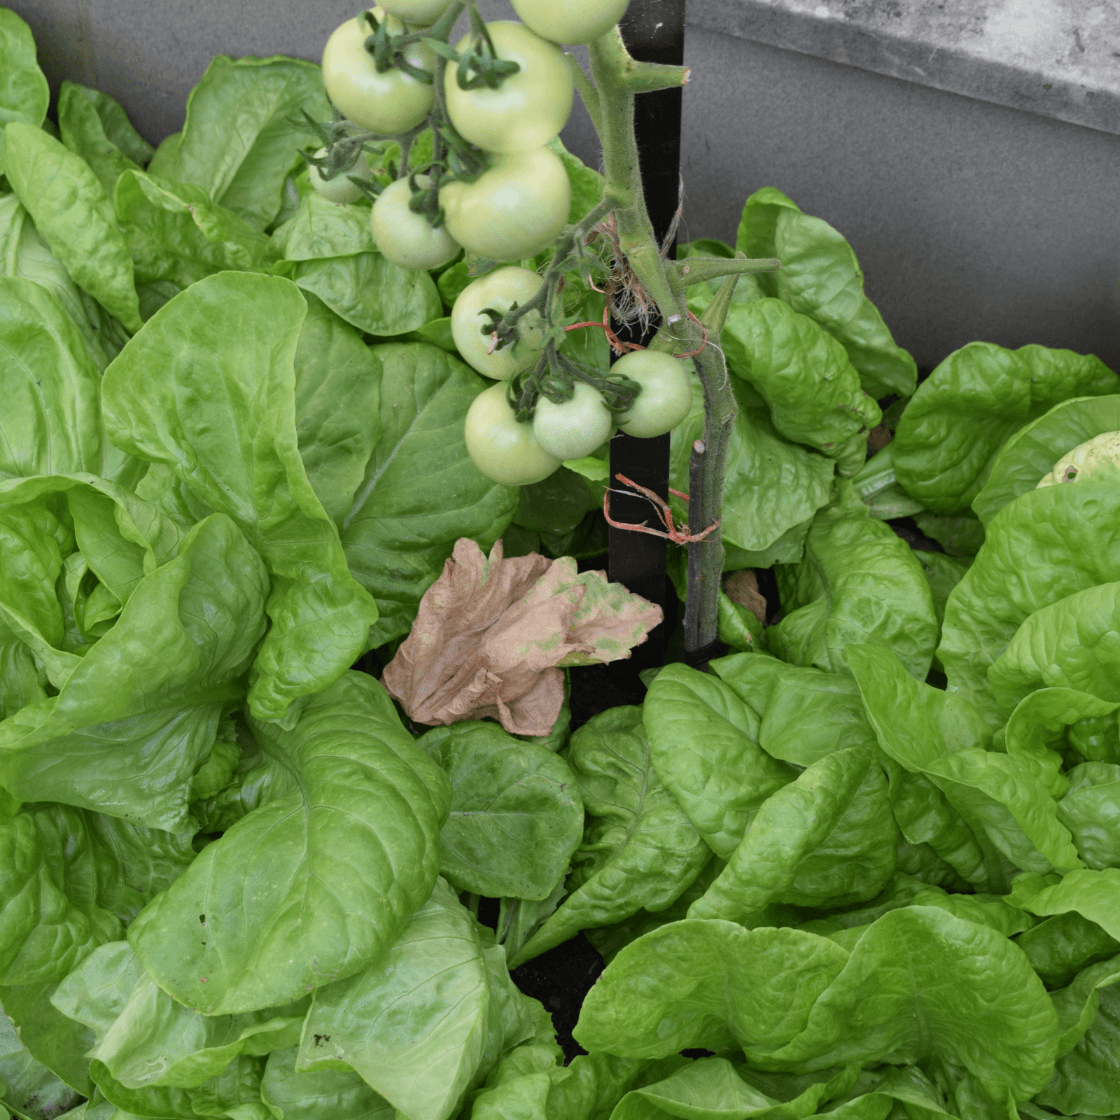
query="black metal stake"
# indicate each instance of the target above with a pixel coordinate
(654, 32)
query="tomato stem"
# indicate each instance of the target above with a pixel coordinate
(618, 78)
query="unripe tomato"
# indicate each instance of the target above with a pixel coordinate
(404, 237)
(570, 21)
(419, 13)
(500, 289)
(501, 448)
(389, 103)
(529, 108)
(575, 428)
(515, 210)
(666, 394)
(339, 189)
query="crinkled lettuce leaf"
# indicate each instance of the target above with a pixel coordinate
(858, 582)
(639, 850)
(429, 1021)
(805, 713)
(962, 414)
(1039, 549)
(140, 709)
(820, 277)
(241, 135)
(419, 491)
(703, 743)
(75, 217)
(1030, 454)
(516, 814)
(208, 389)
(318, 881)
(826, 840)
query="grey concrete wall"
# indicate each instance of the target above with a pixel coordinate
(972, 220)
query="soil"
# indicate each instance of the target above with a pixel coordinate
(560, 979)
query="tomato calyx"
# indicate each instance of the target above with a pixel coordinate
(341, 146)
(480, 67)
(387, 49)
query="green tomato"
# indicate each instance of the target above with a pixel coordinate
(515, 210)
(575, 428)
(389, 103)
(420, 13)
(570, 21)
(666, 394)
(339, 189)
(528, 109)
(501, 448)
(500, 290)
(404, 237)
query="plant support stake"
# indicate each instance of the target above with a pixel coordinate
(653, 31)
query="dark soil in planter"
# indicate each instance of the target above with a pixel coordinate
(560, 979)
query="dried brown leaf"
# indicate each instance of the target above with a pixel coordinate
(491, 635)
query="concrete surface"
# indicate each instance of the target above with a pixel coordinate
(979, 207)
(1054, 57)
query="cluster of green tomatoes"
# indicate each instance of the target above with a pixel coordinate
(497, 190)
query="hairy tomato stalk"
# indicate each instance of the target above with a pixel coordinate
(618, 79)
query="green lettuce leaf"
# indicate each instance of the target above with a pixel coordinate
(71, 881)
(712, 1089)
(1030, 454)
(141, 708)
(1061, 947)
(820, 277)
(741, 987)
(429, 1021)
(805, 714)
(118, 129)
(703, 743)
(1071, 644)
(320, 229)
(75, 217)
(1048, 544)
(1091, 811)
(349, 834)
(24, 94)
(177, 235)
(25, 256)
(920, 985)
(371, 293)
(292, 1094)
(208, 388)
(338, 390)
(516, 814)
(240, 140)
(963, 413)
(826, 840)
(51, 421)
(1006, 798)
(420, 492)
(639, 850)
(1086, 1080)
(28, 1087)
(155, 1041)
(82, 130)
(858, 582)
(1094, 895)
(803, 374)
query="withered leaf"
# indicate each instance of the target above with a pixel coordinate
(492, 634)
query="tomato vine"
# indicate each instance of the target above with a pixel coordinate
(495, 99)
